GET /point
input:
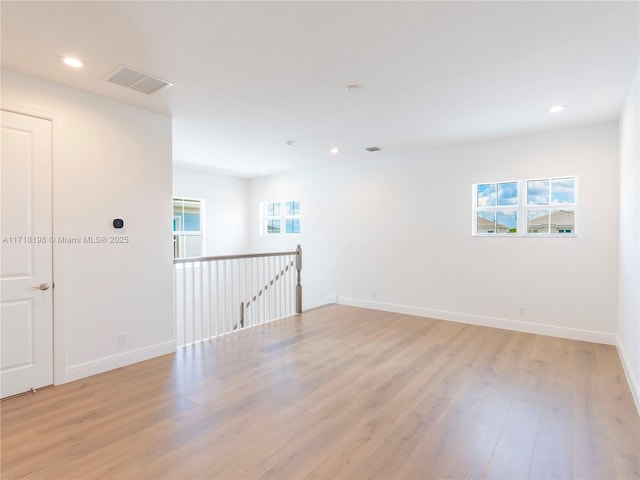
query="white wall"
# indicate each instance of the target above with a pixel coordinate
(401, 225)
(110, 160)
(226, 200)
(629, 283)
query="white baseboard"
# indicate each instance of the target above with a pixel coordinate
(506, 324)
(631, 379)
(82, 370)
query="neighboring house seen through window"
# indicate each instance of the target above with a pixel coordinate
(187, 228)
(497, 207)
(551, 206)
(525, 207)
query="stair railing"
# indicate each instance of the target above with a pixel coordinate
(215, 296)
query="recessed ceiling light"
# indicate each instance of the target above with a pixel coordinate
(334, 151)
(288, 143)
(352, 88)
(556, 108)
(73, 62)
(263, 172)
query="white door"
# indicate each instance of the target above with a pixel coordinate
(26, 314)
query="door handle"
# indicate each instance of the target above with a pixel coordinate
(42, 286)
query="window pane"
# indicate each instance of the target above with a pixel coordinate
(292, 225)
(192, 245)
(186, 218)
(507, 221)
(486, 222)
(178, 215)
(486, 195)
(191, 222)
(293, 208)
(538, 221)
(563, 190)
(178, 221)
(273, 209)
(187, 246)
(186, 215)
(563, 221)
(508, 193)
(273, 226)
(191, 205)
(538, 192)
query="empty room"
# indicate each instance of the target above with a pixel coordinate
(320, 240)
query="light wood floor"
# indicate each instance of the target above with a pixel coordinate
(339, 393)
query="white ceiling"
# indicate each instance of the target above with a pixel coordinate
(250, 75)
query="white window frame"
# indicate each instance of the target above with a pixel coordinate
(282, 217)
(551, 206)
(522, 209)
(187, 233)
(266, 218)
(496, 209)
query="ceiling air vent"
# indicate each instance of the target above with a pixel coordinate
(138, 81)
(373, 149)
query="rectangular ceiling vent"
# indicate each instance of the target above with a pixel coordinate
(373, 149)
(138, 81)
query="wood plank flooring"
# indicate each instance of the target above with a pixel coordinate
(339, 393)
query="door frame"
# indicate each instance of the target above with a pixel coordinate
(59, 352)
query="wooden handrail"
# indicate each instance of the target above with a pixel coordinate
(231, 257)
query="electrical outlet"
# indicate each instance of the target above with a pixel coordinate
(374, 293)
(122, 339)
(522, 311)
